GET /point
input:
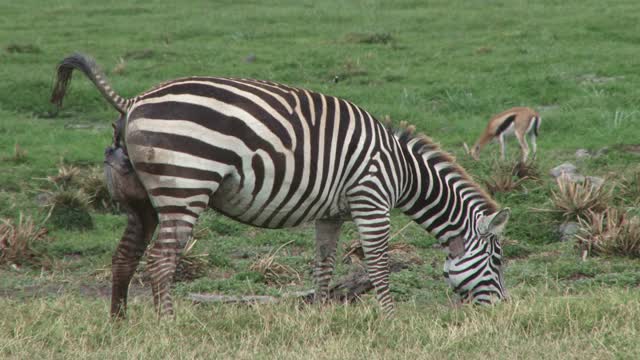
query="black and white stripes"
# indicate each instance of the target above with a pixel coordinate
(275, 156)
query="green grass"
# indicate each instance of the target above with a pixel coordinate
(444, 66)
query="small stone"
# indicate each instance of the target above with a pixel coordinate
(595, 181)
(576, 178)
(568, 230)
(43, 199)
(250, 58)
(566, 168)
(602, 151)
(583, 154)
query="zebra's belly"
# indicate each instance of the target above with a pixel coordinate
(265, 210)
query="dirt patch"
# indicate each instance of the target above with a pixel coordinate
(595, 79)
(55, 290)
(631, 149)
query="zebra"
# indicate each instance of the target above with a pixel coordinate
(275, 156)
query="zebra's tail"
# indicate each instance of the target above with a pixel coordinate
(88, 66)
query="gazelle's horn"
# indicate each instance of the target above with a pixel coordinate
(466, 148)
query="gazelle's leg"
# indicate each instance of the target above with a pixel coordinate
(523, 146)
(533, 144)
(327, 234)
(502, 146)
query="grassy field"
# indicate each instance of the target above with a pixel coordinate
(445, 66)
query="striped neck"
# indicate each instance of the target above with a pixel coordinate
(439, 194)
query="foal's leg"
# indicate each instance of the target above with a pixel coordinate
(327, 234)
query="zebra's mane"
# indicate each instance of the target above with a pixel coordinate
(423, 144)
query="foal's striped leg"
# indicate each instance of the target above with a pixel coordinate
(141, 224)
(327, 234)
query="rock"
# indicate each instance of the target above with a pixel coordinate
(602, 151)
(566, 168)
(250, 58)
(568, 230)
(596, 181)
(43, 199)
(583, 154)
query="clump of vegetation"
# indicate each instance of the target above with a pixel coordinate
(349, 69)
(18, 238)
(70, 210)
(504, 178)
(19, 155)
(611, 232)
(629, 189)
(80, 188)
(402, 251)
(191, 265)
(93, 184)
(369, 38)
(23, 49)
(576, 200)
(526, 170)
(66, 176)
(275, 273)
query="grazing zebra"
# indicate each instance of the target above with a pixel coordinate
(274, 156)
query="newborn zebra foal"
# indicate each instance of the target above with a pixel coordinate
(275, 156)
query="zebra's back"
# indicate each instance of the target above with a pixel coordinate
(261, 153)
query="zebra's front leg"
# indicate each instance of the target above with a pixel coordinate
(374, 228)
(141, 223)
(327, 234)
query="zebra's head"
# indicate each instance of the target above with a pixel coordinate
(474, 266)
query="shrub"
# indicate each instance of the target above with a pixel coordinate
(575, 200)
(611, 232)
(505, 177)
(17, 240)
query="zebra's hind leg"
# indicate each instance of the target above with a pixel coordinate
(374, 228)
(176, 227)
(141, 224)
(327, 234)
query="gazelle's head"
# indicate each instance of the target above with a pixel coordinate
(474, 265)
(473, 152)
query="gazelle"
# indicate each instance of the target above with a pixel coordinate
(518, 121)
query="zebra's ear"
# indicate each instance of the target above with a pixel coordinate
(496, 222)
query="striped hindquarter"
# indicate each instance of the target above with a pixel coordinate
(274, 156)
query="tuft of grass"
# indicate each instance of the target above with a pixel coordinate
(22, 49)
(349, 69)
(576, 200)
(19, 155)
(629, 188)
(369, 38)
(70, 210)
(526, 170)
(93, 184)
(191, 265)
(505, 177)
(17, 240)
(66, 176)
(273, 272)
(611, 232)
